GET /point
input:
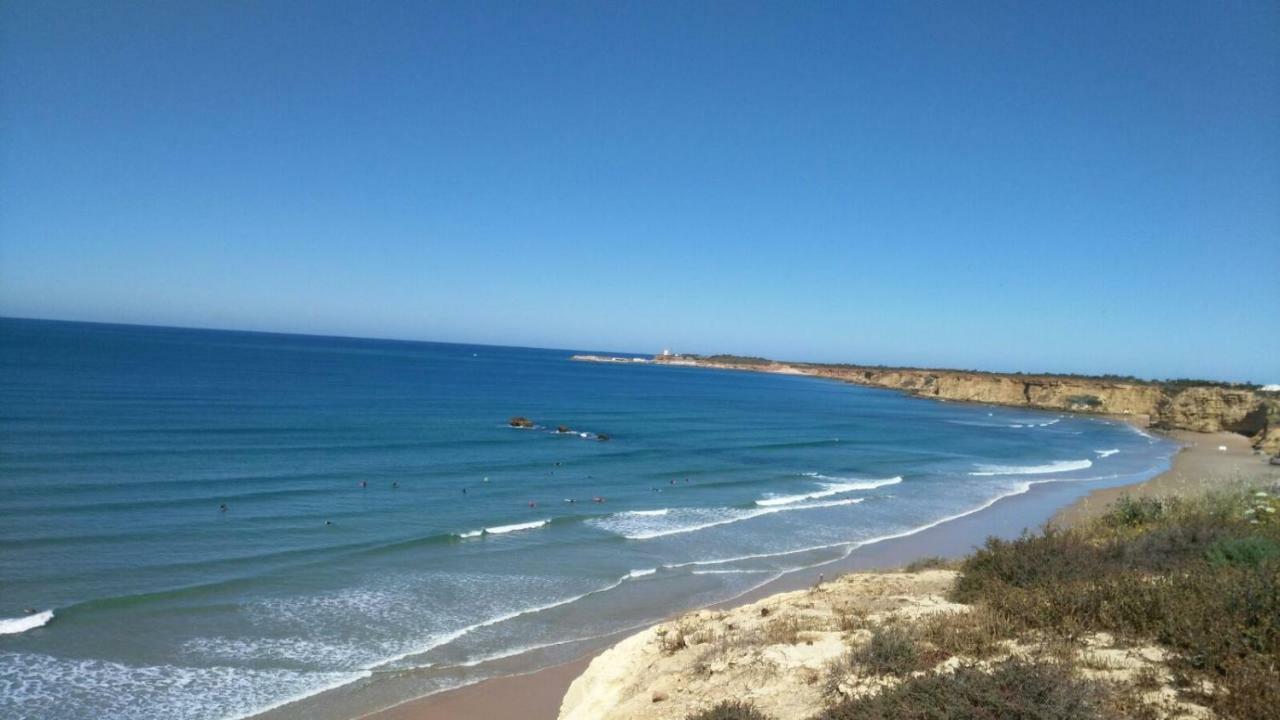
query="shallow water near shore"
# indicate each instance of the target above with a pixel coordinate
(351, 571)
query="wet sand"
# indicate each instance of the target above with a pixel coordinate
(1198, 467)
(533, 696)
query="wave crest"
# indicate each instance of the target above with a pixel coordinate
(1057, 466)
(829, 489)
(504, 529)
(13, 626)
(686, 520)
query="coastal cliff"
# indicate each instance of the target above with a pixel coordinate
(1168, 406)
(1136, 612)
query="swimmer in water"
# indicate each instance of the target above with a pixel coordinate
(222, 507)
(364, 484)
(395, 484)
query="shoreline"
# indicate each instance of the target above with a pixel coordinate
(1198, 406)
(1203, 461)
(1197, 465)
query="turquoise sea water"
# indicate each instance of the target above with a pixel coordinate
(350, 559)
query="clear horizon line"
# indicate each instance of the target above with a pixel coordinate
(586, 350)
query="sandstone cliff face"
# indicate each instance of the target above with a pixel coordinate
(1211, 410)
(1201, 409)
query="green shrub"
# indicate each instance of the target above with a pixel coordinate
(730, 710)
(1250, 551)
(1200, 578)
(1031, 561)
(1129, 511)
(891, 650)
(1092, 402)
(927, 563)
(1016, 688)
(976, 633)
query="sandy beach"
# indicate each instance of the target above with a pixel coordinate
(1200, 465)
(1207, 460)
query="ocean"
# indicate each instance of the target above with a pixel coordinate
(212, 524)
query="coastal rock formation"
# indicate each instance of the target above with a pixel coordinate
(780, 654)
(1174, 406)
(1212, 409)
(520, 421)
(772, 652)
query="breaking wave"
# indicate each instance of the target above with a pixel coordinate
(686, 520)
(1057, 466)
(504, 529)
(13, 626)
(828, 489)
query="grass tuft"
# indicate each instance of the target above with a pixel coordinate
(730, 710)
(1201, 577)
(1015, 688)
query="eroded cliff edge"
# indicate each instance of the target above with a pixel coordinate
(1171, 406)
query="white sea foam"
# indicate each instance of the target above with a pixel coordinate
(1106, 453)
(1150, 438)
(13, 626)
(503, 529)
(41, 686)
(686, 520)
(442, 639)
(1057, 466)
(648, 513)
(851, 545)
(348, 656)
(828, 489)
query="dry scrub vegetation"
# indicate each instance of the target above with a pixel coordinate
(1160, 609)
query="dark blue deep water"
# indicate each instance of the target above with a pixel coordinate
(349, 555)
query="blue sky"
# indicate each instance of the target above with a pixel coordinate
(1088, 187)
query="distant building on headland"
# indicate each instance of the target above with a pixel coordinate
(666, 357)
(609, 359)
